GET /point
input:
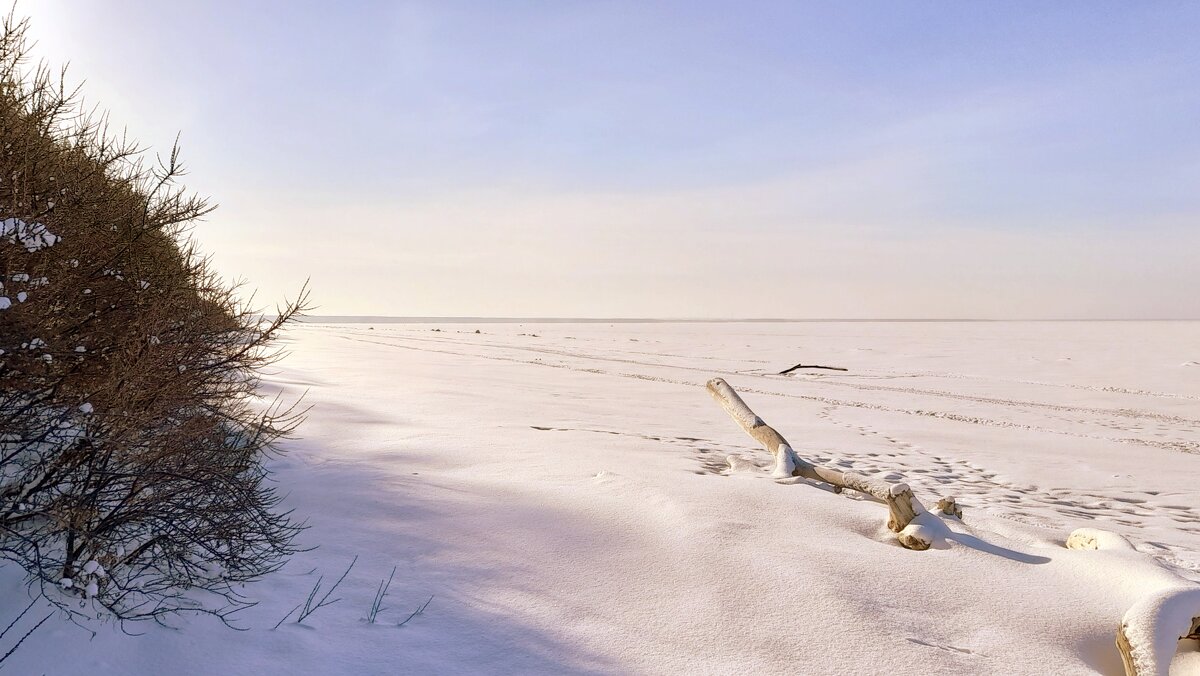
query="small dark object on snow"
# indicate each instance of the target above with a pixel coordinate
(811, 366)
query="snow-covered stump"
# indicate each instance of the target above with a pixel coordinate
(1150, 631)
(902, 506)
(949, 507)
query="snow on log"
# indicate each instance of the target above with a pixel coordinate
(1150, 631)
(902, 506)
(916, 536)
(786, 461)
(1094, 538)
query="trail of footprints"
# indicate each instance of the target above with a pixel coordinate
(974, 486)
(933, 476)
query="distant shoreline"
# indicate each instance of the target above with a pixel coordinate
(384, 319)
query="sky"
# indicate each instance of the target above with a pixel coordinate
(672, 159)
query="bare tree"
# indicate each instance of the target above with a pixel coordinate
(131, 449)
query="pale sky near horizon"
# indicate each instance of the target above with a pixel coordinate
(688, 159)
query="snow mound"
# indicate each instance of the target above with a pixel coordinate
(1094, 538)
(741, 463)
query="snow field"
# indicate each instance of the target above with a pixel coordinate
(563, 493)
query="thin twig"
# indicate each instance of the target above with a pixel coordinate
(380, 594)
(416, 612)
(289, 614)
(309, 608)
(811, 366)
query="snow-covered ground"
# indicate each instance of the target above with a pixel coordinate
(563, 493)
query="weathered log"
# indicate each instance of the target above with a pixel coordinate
(786, 461)
(811, 366)
(902, 506)
(1126, 651)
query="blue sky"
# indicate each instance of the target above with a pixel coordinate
(692, 159)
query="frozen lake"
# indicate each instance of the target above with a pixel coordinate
(563, 492)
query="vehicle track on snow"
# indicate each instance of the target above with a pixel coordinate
(1184, 446)
(833, 381)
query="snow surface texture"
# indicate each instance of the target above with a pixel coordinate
(565, 494)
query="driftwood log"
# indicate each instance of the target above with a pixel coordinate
(797, 367)
(902, 506)
(1151, 629)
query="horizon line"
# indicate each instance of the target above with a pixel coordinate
(405, 319)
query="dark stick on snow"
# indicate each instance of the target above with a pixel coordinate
(28, 634)
(416, 612)
(811, 366)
